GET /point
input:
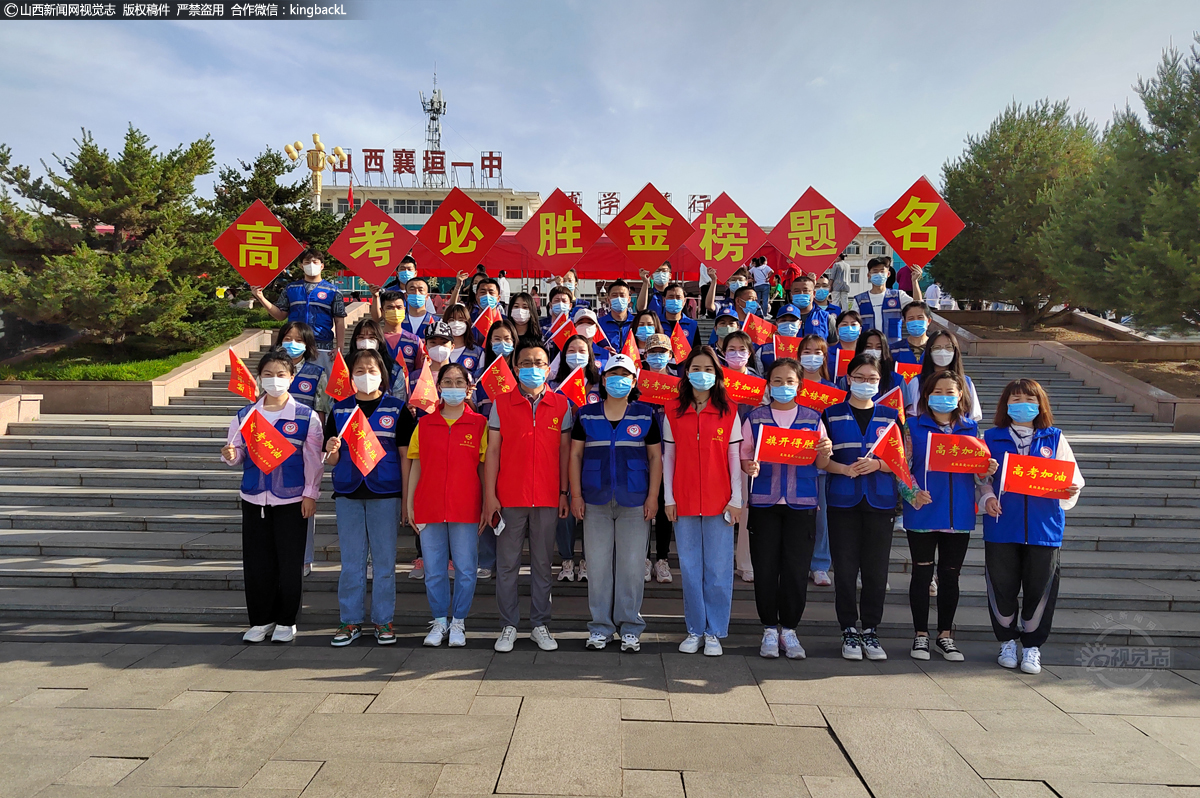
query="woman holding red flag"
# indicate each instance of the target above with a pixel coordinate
(500, 342)
(462, 346)
(944, 354)
(738, 350)
(276, 505)
(814, 360)
(577, 353)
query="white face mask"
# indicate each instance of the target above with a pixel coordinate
(458, 328)
(368, 343)
(875, 352)
(276, 386)
(312, 268)
(367, 383)
(439, 354)
(520, 315)
(942, 357)
(586, 330)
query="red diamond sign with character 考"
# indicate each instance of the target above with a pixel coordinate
(648, 229)
(919, 224)
(460, 233)
(813, 232)
(558, 234)
(372, 244)
(725, 237)
(258, 245)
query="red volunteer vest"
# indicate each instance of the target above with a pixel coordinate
(529, 449)
(449, 490)
(701, 483)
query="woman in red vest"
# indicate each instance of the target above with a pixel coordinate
(446, 505)
(703, 485)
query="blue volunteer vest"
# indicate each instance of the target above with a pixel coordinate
(469, 358)
(1024, 519)
(849, 444)
(891, 312)
(287, 480)
(797, 485)
(953, 505)
(385, 477)
(314, 308)
(304, 385)
(902, 353)
(615, 465)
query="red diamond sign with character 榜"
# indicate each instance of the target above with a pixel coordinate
(258, 245)
(813, 232)
(558, 234)
(919, 224)
(460, 233)
(725, 237)
(648, 229)
(372, 244)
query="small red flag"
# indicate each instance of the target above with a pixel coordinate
(657, 389)
(400, 359)
(241, 381)
(786, 446)
(350, 195)
(498, 379)
(598, 337)
(565, 331)
(760, 331)
(630, 348)
(339, 384)
(890, 449)
(745, 389)
(485, 321)
(266, 446)
(844, 356)
(908, 370)
(680, 347)
(819, 397)
(787, 346)
(895, 400)
(956, 454)
(362, 443)
(559, 320)
(1044, 477)
(574, 387)
(424, 393)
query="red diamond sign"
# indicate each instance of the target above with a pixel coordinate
(813, 232)
(258, 245)
(558, 234)
(648, 229)
(725, 237)
(460, 232)
(919, 224)
(372, 244)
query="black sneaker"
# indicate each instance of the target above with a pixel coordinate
(920, 647)
(949, 650)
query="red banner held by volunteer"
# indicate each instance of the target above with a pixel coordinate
(745, 389)
(895, 400)
(498, 379)
(1036, 476)
(760, 331)
(486, 320)
(241, 381)
(574, 387)
(657, 389)
(908, 370)
(787, 346)
(680, 348)
(956, 454)
(844, 356)
(890, 449)
(819, 397)
(266, 446)
(361, 442)
(424, 393)
(339, 385)
(796, 447)
(630, 348)
(565, 332)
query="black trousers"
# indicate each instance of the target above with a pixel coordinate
(950, 549)
(860, 541)
(662, 530)
(273, 541)
(781, 547)
(1011, 569)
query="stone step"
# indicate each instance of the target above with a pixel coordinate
(81, 497)
(215, 400)
(136, 426)
(196, 410)
(226, 478)
(202, 444)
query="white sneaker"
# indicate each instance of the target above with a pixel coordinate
(933, 586)
(582, 570)
(283, 634)
(504, 643)
(851, 644)
(649, 568)
(596, 640)
(1031, 660)
(1008, 654)
(257, 634)
(791, 644)
(662, 571)
(567, 572)
(712, 646)
(690, 644)
(437, 632)
(541, 636)
(306, 570)
(482, 574)
(458, 633)
(769, 648)
(821, 579)
(630, 643)
(748, 576)
(871, 645)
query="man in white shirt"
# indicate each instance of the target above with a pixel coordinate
(761, 274)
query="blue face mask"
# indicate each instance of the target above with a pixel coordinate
(487, 301)
(879, 278)
(1022, 412)
(502, 348)
(619, 304)
(673, 305)
(864, 390)
(783, 393)
(735, 285)
(822, 294)
(916, 328)
(559, 307)
(576, 359)
(944, 404)
(294, 348)
(801, 300)
(702, 380)
(416, 301)
(812, 362)
(751, 306)
(644, 332)
(405, 276)
(658, 360)
(849, 333)
(618, 387)
(454, 396)
(789, 328)
(532, 377)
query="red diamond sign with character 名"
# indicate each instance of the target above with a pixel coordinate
(813, 232)
(372, 244)
(558, 234)
(919, 224)
(725, 236)
(258, 245)
(648, 229)
(460, 232)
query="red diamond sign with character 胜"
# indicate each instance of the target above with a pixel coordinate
(460, 233)
(648, 229)
(258, 245)
(372, 244)
(813, 232)
(725, 237)
(919, 224)
(558, 234)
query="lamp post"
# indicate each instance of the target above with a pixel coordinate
(317, 162)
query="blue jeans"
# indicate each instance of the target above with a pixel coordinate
(705, 545)
(440, 543)
(616, 573)
(367, 524)
(565, 535)
(764, 299)
(487, 549)
(821, 559)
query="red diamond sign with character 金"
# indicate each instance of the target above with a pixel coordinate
(648, 230)
(813, 232)
(725, 237)
(558, 234)
(919, 224)
(258, 245)
(372, 244)
(460, 232)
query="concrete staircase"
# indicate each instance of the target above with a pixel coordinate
(135, 519)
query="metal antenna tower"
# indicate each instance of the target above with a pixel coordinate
(434, 108)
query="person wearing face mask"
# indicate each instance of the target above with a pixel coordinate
(463, 348)
(812, 319)
(587, 325)
(487, 296)
(645, 326)
(444, 498)
(619, 320)
(576, 354)
(316, 302)
(561, 301)
(416, 301)
(738, 351)
(847, 330)
(822, 300)
(369, 507)
(739, 279)
(726, 322)
(276, 506)
(911, 349)
(406, 271)
(944, 355)
(657, 358)
(438, 346)
(1022, 535)
(880, 306)
(654, 288)
(783, 503)
(521, 313)
(745, 303)
(874, 343)
(787, 322)
(674, 302)
(615, 474)
(399, 341)
(368, 334)
(814, 367)
(702, 475)
(525, 480)
(501, 342)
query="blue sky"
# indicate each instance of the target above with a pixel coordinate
(759, 99)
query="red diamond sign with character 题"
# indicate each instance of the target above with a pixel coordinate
(813, 232)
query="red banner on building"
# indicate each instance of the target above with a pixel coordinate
(657, 389)
(745, 389)
(813, 232)
(919, 224)
(266, 446)
(795, 447)
(258, 246)
(241, 381)
(1036, 476)
(890, 449)
(956, 454)
(819, 397)
(372, 243)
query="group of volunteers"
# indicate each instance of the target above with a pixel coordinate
(481, 478)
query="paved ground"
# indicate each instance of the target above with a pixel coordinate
(122, 710)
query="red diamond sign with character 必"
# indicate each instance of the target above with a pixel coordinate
(372, 244)
(258, 245)
(919, 224)
(460, 233)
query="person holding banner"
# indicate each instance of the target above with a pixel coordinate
(1024, 522)
(814, 355)
(463, 349)
(521, 312)
(745, 303)
(487, 297)
(849, 328)
(881, 307)
(561, 301)
(874, 344)
(737, 353)
(501, 342)
(657, 361)
(911, 348)
(674, 303)
(783, 502)
(940, 520)
(276, 504)
(444, 507)
(316, 302)
(577, 353)
(702, 474)
(944, 355)
(368, 503)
